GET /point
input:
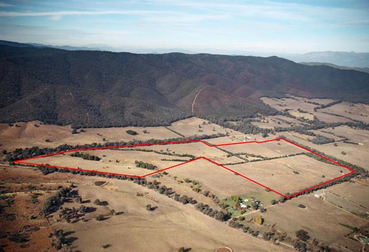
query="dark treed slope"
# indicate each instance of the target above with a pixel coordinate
(101, 89)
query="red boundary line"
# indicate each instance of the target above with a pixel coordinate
(22, 161)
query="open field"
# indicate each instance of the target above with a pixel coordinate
(329, 118)
(28, 135)
(116, 161)
(352, 197)
(271, 122)
(294, 103)
(300, 107)
(354, 135)
(196, 126)
(358, 112)
(216, 179)
(195, 149)
(304, 171)
(355, 152)
(268, 150)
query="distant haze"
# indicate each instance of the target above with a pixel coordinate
(268, 27)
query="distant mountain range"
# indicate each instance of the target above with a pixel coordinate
(101, 89)
(345, 59)
(361, 69)
(69, 48)
(357, 61)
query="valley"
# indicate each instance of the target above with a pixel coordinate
(197, 205)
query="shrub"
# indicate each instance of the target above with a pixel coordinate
(51, 205)
(149, 207)
(132, 132)
(145, 165)
(259, 220)
(99, 183)
(18, 237)
(302, 235)
(101, 203)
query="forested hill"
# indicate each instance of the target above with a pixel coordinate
(101, 89)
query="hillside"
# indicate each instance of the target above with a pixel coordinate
(102, 89)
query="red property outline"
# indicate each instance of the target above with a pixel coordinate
(22, 161)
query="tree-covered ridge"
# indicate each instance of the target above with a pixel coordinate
(104, 89)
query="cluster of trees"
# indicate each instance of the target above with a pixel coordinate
(85, 156)
(211, 195)
(268, 235)
(160, 152)
(359, 125)
(46, 170)
(184, 199)
(53, 203)
(161, 117)
(18, 237)
(244, 126)
(145, 165)
(72, 215)
(302, 235)
(62, 239)
(318, 139)
(218, 215)
(235, 224)
(301, 246)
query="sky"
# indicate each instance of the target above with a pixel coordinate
(228, 26)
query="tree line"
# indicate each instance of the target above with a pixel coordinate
(21, 153)
(85, 156)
